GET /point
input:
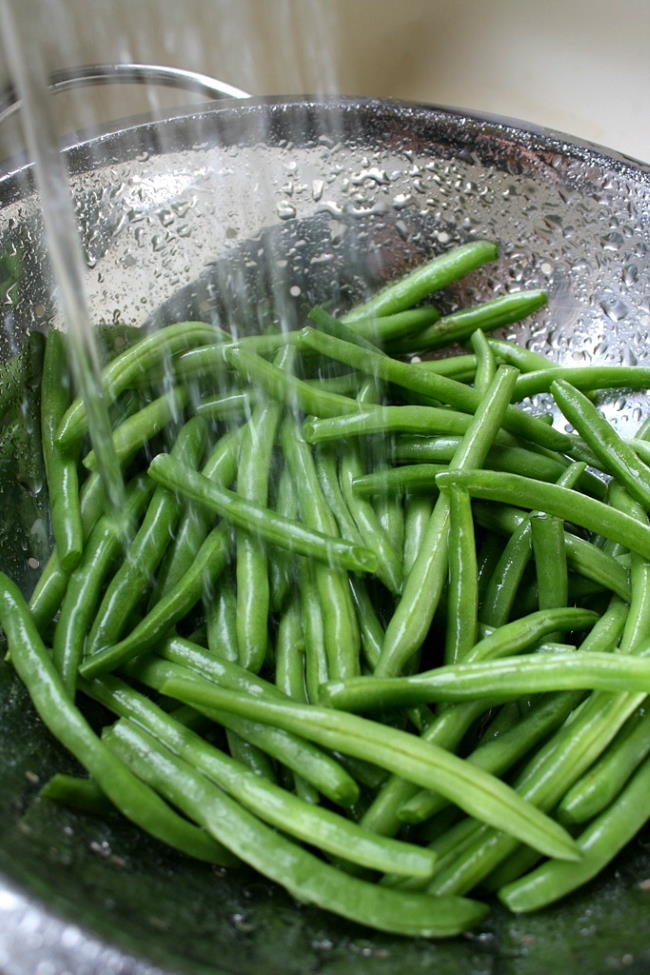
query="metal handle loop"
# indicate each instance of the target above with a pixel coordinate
(66, 79)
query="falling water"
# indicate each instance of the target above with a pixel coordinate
(63, 243)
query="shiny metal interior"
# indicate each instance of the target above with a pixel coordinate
(244, 212)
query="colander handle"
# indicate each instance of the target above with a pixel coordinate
(140, 74)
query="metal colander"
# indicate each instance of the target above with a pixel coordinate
(241, 212)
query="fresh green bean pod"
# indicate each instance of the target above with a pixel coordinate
(305, 877)
(147, 548)
(142, 426)
(418, 284)
(65, 721)
(423, 586)
(210, 561)
(61, 468)
(616, 456)
(254, 518)
(460, 325)
(253, 598)
(591, 794)
(340, 629)
(423, 763)
(565, 503)
(83, 592)
(132, 366)
(462, 593)
(599, 844)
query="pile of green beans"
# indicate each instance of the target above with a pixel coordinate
(320, 522)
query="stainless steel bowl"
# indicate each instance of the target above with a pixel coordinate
(249, 210)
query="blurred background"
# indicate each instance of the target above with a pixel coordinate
(579, 66)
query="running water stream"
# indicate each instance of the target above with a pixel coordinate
(63, 243)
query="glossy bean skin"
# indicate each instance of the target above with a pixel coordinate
(425, 279)
(275, 529)
(314, 825)
(562, 502)
(368, 740)
(60, 468)
(132, 366)
(303, 875)
(147, 548)
(599, 844)
(459, 325)
(414, 612)
(252, 571)
(135, 800)
(615, 455)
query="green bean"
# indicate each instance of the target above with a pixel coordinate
(637, 626)
(615, 455)
(584, 378)
(290, 651)
(226, 405)
(142, 426)
(517, 355)
(76, 793)
(599, 843)
(287, 388)
(503, 641)
(417, 515)
(425, 279)
(326, 460)
(565, 503)
(549, 556)
(485, 361)
(503, 586)
(369, 528)
(251, 517)
(209, 563)
(317, 767)
(83, 592)
(455, 394)
(250, 756)
(460, 325)
(334, 326)
(370, 627)
(385, 329)
(501, 753)
(583, 557)
(66, 722)
(221, 612)
(60, 468)
(195, 523)
(340, 629)
(412, 479)
(511, 638)
(253, 475)
(462, 595)
(460, 367)
(50, 588)
(544, 780)
(600, 786)
(496, 681)
(316, 826)
(384, 419)
(132, 366)
(423, 763)
(282, 570)
(147, 548)
(316, 662)
(305, 877)
(423, 586)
